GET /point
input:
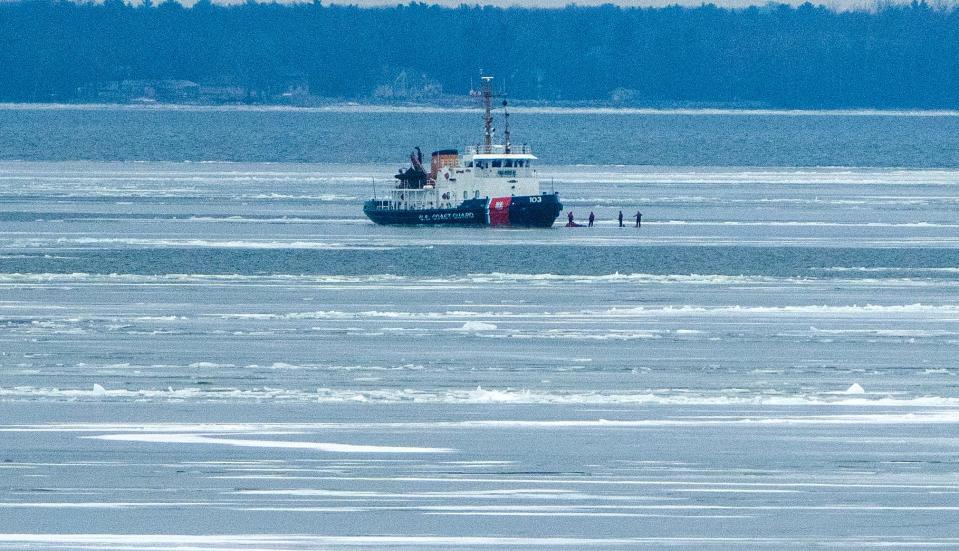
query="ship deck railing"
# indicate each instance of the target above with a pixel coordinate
(498, 149)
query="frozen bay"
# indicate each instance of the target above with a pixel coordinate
(229, 356)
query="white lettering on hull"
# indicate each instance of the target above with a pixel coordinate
(440, 216)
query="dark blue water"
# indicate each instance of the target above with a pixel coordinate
(349, 135)
(438, 261)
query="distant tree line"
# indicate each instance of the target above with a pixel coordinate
(778, 56)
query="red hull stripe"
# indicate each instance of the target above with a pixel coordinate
(499, 211)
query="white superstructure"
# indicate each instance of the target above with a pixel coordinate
(482, 171)
(487, 184)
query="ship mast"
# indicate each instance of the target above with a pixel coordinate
(506, 126)
(488, 115)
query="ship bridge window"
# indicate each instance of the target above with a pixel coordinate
(497, 163)
(509, 163)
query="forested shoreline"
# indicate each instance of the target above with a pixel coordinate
(772, 56)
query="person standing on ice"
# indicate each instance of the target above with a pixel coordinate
(570, 216)
(639, 219)
(621, 219)
(592, 217)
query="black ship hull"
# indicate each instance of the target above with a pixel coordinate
(538, 211)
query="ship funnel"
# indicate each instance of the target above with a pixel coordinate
(443, 158)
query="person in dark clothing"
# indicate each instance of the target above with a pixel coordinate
(639, 219)
(570, 216)
(592, 217)
(621, 219)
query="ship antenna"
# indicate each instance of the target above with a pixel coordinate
(488, 115)
(506, 124)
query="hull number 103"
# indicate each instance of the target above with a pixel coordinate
(535, 199)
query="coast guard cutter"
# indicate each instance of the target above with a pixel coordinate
(490, 184)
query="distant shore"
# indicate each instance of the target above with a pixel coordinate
(339, 106)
